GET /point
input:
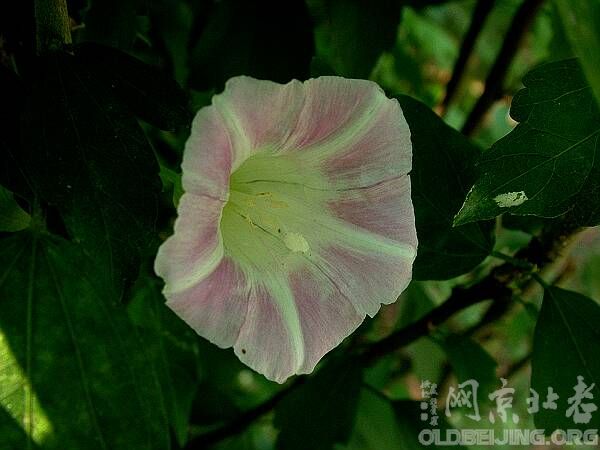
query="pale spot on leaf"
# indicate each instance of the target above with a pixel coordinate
(511, 199)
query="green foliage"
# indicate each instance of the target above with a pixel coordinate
(565, 347)
(470, 362)
(120, 14)
(90, 355)
(12, 217)
(442, 157)
(331, 396)
(351, 35)
(175, 353)
(146, 91)
(75, 373)
(262, 39)
(581, 22)
(375, 427)
(89, 158)
(547, 166)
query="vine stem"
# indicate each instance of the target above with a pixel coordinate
(494, 82)
(52, 25)
(520, 263)
(480, 13)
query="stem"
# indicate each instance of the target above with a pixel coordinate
(480, 14)
(243, 421)
(520, 263)
(540, 280)
(52, 25)
(460, 299)
(495, 79)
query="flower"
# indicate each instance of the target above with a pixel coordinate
(296, 221)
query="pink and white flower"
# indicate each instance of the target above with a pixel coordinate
(296, 221)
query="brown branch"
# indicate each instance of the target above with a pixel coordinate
(480, 14)
(243, 421)
(460, 299)
(495, 79)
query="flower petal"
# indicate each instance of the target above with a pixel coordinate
(350, 130)
(216, 306)
(298, 219)
(208, 156)
(195, 248)
(260, 115)
(327, 316)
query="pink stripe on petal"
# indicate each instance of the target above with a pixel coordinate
(368, 280)
(216, 306)
(260, 114)
(331, 106)
(194, 242)
(265, 343)
(383, 151)
(327, 317)
(384, 209)
(207, 158)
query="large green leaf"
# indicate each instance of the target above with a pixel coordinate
(148, 92)
(581, 23)
(443, 170)
(375, 427)
(85, 154)
(549, 164)
(470, 361)
(111, 22)
(12, 217)
(385, 425)
(565, 347)
(174, 347)
(351, 35)
(74, 372)
(12, 96)
(264, 39)
(321, 412)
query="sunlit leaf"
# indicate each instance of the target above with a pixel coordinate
(74, 371)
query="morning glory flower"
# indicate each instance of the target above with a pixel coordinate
(296, 221)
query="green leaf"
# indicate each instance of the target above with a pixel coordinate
(174, 24)
(74, 373)
(111, 22)
(12, 97)
(443, 170)
(261, 39)
(470, 361)
(86, 154)
(144, 89)
(385, 425)
(12, 217)
(375, 427)
(581, 23)
(409, 423)
(174, 347)
(321, 412)
(565, 346)
(548, 165)
(351, 35)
